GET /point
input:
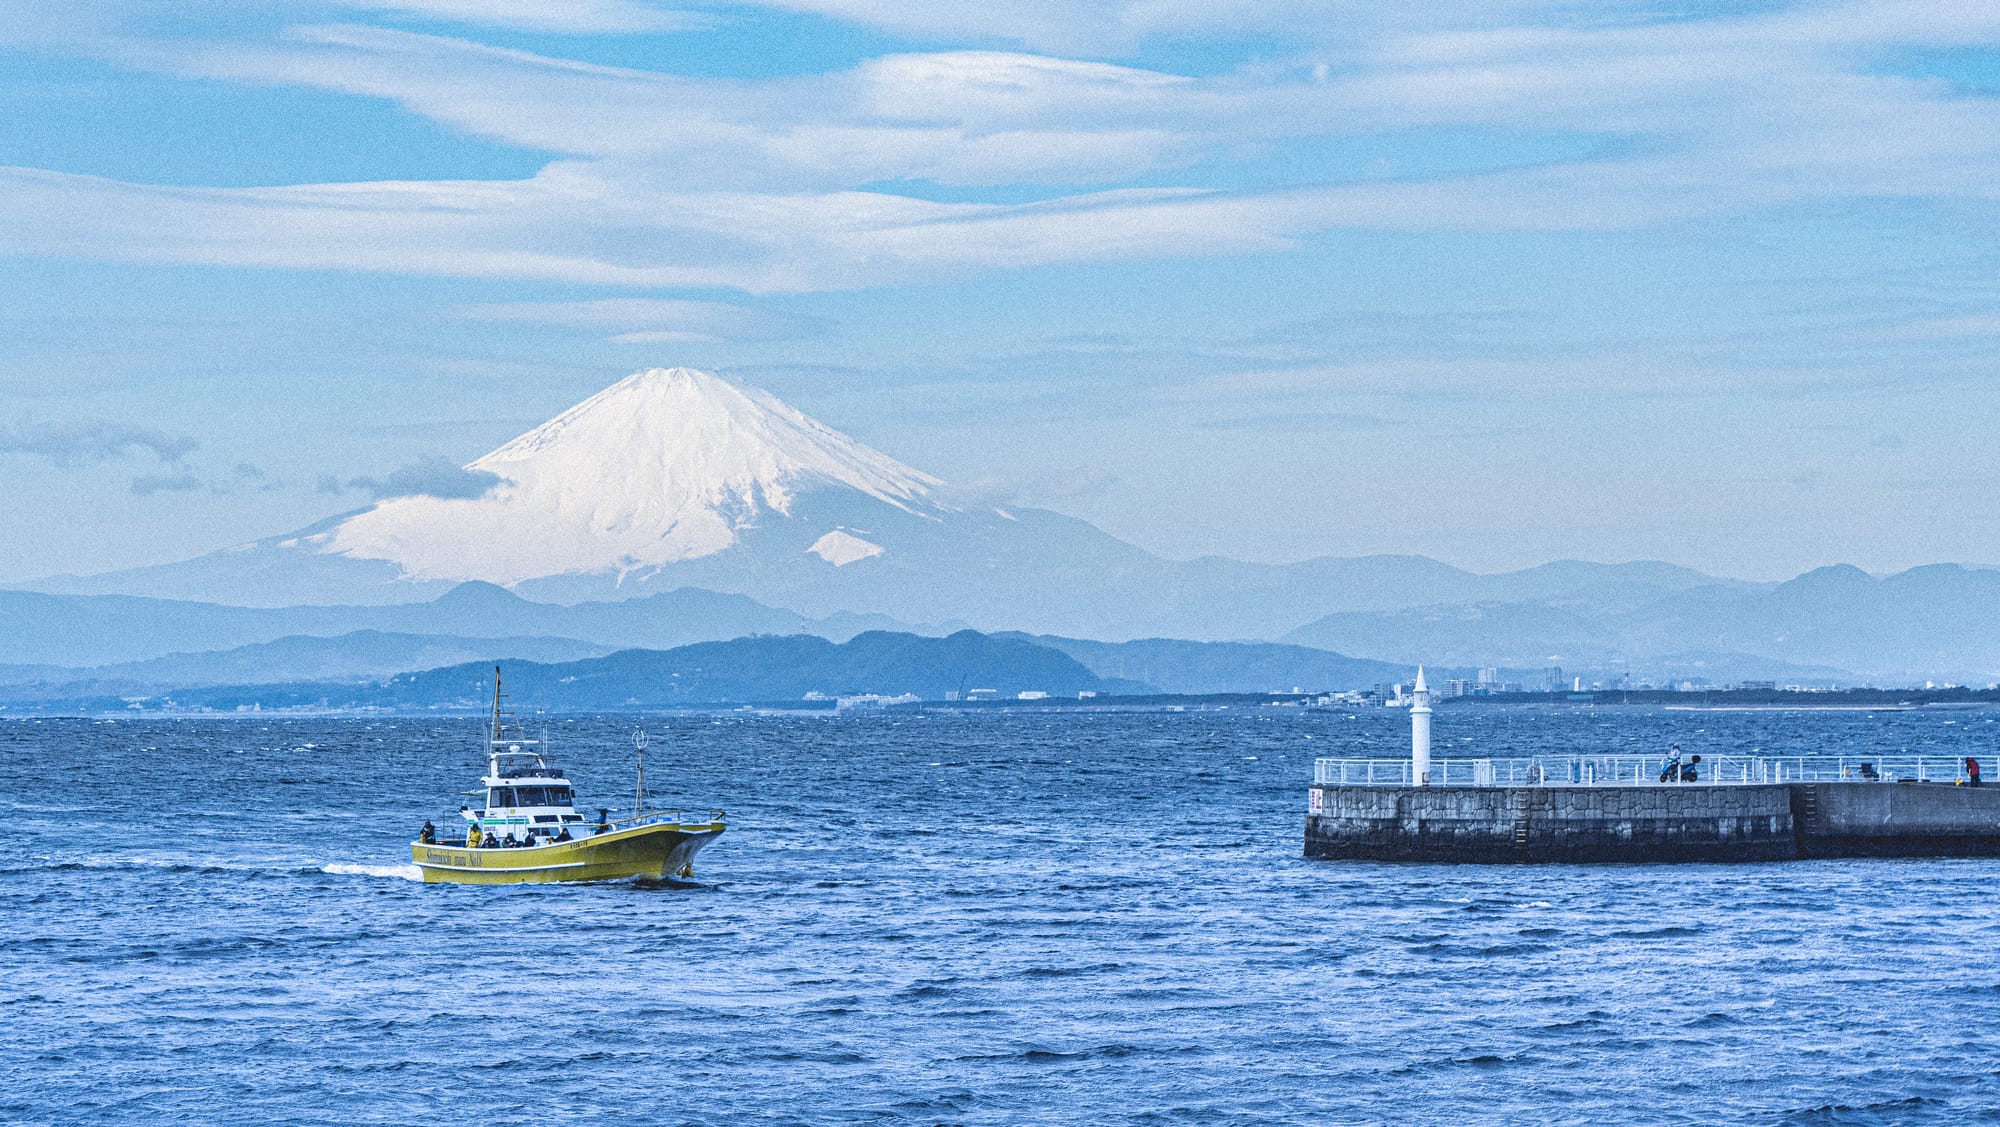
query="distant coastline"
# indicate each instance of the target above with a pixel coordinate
(1725, 700)
(1758, 700)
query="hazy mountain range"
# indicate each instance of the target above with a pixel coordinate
(676, 507)
(1940, 621)
(769, 670)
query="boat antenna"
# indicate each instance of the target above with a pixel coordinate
(493, 732)
(639, 786)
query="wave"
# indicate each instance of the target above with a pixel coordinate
(169, 864)
(398, 872)
(210, 865)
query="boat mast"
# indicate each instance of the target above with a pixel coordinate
(493, 732)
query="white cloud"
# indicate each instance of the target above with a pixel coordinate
(84, 443)
(430, 477)
(956, 117)
(670, 181)
(640, 320)
(572, 223)
(146, 485)
(587, 223)
(106, 24)
(1118, 26)
(579, 16)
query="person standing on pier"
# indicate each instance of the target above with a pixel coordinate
(1971, 771)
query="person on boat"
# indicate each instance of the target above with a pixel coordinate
(604, 821)
(564, 835)
(490, 842)
(429, 834)
(472, 835)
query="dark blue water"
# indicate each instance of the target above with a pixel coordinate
(953, 919)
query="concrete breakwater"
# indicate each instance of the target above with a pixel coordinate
(1756, 822)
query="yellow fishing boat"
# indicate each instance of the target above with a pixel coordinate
(528, 831)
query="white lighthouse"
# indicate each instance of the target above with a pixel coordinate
(1420, 732)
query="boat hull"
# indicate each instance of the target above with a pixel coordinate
(658, 850)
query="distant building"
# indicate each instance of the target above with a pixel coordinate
(1085, 694)
(1456, 687)
(1488, 677)
(1552, 679)
(1757, 685)
(982, 694)
(1032, 694)
(871, 700)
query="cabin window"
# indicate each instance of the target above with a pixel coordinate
(534, 796)
(502, 797)
(559, 796)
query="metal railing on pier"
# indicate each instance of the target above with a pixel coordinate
(1644, 770)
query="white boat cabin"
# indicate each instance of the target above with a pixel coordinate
(527, 800)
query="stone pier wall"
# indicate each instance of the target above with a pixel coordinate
(1519, 824)
(1664, 823)
(1896, 820)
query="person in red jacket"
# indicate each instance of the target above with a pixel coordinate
(1971, 771)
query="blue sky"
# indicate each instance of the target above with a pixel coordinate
(1499, 282)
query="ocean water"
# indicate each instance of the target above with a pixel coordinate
(940, 918)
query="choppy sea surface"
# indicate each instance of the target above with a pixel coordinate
(946, 918)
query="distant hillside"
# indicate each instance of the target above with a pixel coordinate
(80, 631)
(1936, 622)
(746, 670)
(1521, 635)
(358, 655)
(1225, 667)
(1834, 625)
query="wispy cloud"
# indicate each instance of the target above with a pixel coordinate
(1116, 26)
(574, 16)
(148, 484)
(573, 223)
(428, 477)
(1306, 421)
(639, 320)
(669, 181)
(82, 443)
(964, 117)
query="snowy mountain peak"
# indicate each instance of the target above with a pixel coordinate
(666, 465)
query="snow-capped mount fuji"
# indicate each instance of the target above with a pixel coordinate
(677, 478)
(665, 466)
(673, 478)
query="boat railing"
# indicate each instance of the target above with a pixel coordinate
(535, 772)
(1644, 770)
(666, 817)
